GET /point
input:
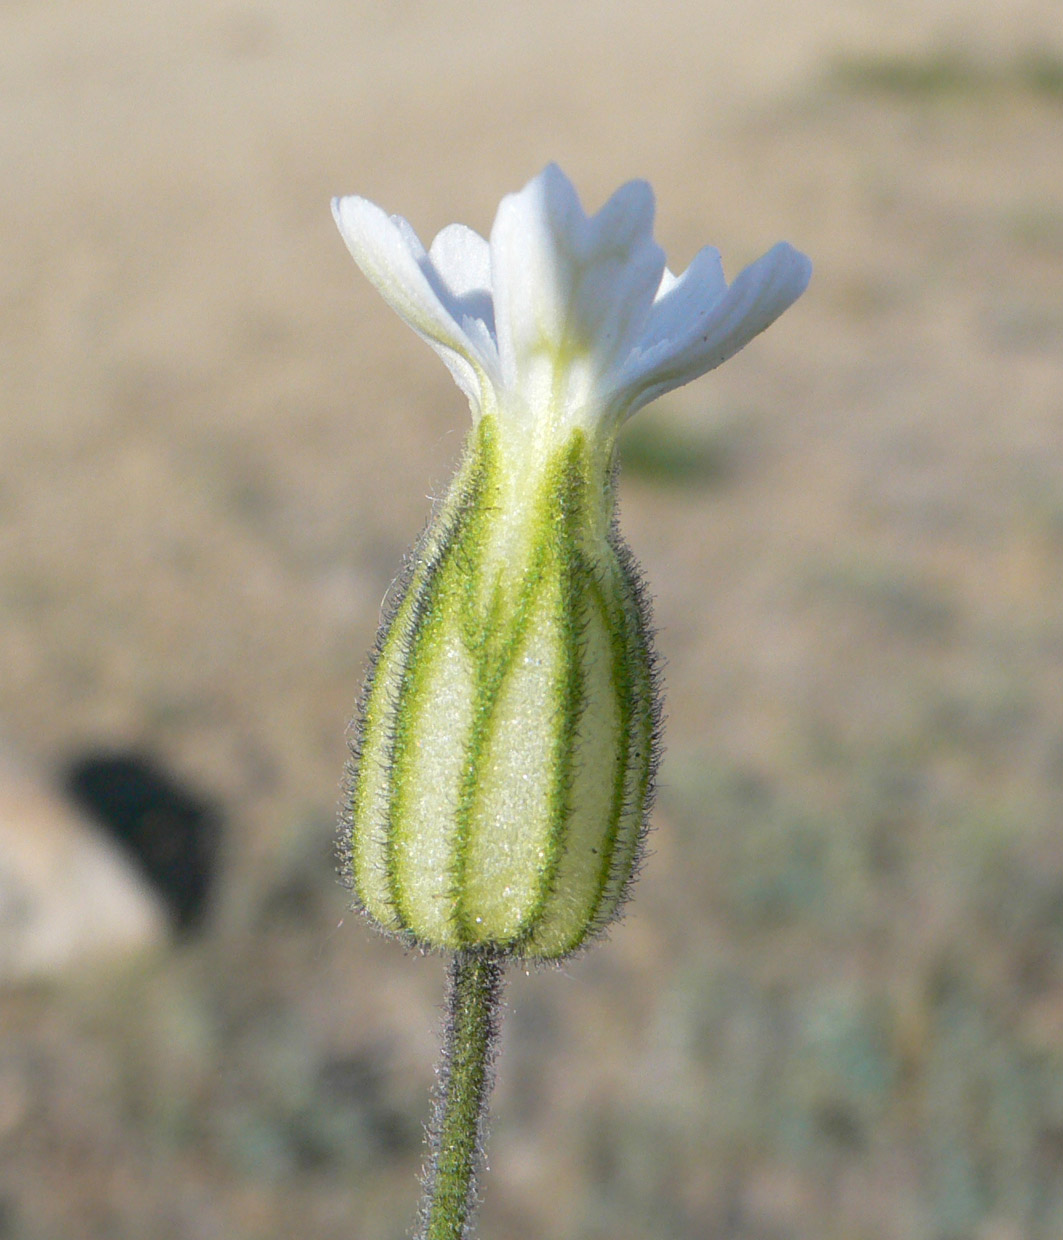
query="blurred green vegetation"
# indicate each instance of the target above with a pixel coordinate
(661, 448)
(880, 990)
(949, 72)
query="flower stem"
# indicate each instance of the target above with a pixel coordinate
(456, 1134)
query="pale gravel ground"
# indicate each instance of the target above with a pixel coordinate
(216, 442)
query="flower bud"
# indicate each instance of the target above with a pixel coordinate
(507, 741)
(508, 726)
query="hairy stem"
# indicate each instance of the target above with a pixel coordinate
(456, 1135)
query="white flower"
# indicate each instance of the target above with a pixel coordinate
(565, 317)
(508, 733)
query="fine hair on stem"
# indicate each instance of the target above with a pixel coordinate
(457, 1128)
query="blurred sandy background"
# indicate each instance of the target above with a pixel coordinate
(836, 1008)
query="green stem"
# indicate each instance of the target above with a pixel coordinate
(456, 1135)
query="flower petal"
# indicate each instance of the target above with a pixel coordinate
(680, 299)
(570, 293)
(563, 319)
(529, 275)
(622, 269)
(462, 260)
(392, 258)
(460, 272)
(698, 322)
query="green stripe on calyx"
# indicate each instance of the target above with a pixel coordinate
(371, 786)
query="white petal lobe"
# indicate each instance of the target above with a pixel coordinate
(391, 257)
(691, 339)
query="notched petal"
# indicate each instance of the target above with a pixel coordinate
(682, 300)
(616, 278)
(460, 261)
(533, 237)
(694, 329)
(571, 292)
(565, 316)
(393, 259)
(626, 220)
